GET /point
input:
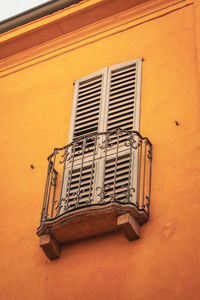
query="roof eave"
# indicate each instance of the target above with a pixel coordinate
(35, 13)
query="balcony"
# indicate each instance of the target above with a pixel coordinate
(99, 183)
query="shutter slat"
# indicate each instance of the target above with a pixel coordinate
(121, 94)
(119, 189)
(124, 75)
(89, 112)
(90, 88)
(87, 106)
(127, 97)
(120, 114)
(120, 173)
(123, 88)
(86, 125)
(121, 124)
(127, 84)
(89, 83)
(113, 103)
(124, 70)
(118, 105)
(120, 164)
(89, 96)
(119, 181)
(83, 183)
(96, 98)
(86, 130)
(89, 121)
(122, 81)
(87, 115)
(121, 121)
(91, 107)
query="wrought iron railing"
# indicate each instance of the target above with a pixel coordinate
(98, 169)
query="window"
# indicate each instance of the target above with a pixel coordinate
(106, 106)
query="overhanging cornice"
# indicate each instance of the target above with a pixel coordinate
(35, 13)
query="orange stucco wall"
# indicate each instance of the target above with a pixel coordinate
(35, 114)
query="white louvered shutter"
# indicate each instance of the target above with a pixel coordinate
(123, 111)
(88, 104)
(123, 95)
(87, 118)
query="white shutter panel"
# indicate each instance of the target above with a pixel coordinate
(80, 171)
(123, 95)
(89, 99)
(123, 111)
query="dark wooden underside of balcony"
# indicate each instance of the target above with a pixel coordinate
(88, 222)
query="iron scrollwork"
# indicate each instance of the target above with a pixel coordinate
(132, 142)
(129, 194)
(102, 193)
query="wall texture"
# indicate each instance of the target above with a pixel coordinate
(36, 101)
